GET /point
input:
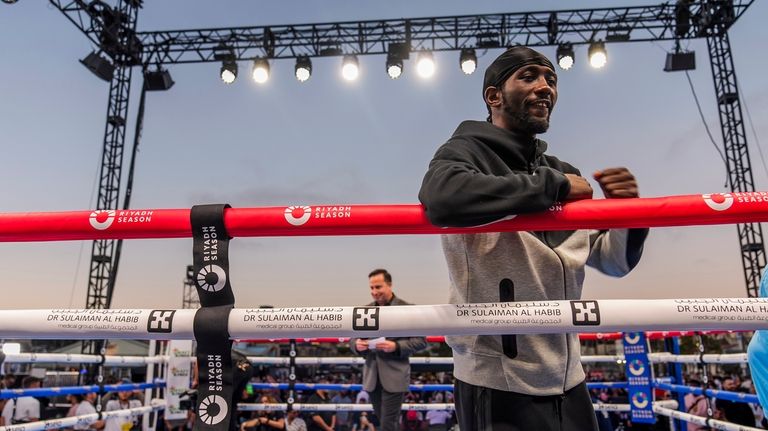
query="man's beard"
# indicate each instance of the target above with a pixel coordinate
(523, 121)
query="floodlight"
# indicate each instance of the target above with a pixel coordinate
(228, 71)
(597, 54)
(260, 72)
(157, 80)
(468, 60)
(99, 66)
(394, 67)
(565, 56)
(425, 65)
(303, 68)
(680, 60)
(350, 68)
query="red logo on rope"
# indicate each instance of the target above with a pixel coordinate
(102, 219)
(718, 201)
(298, 215)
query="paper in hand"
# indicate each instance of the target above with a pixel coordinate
(374, 341)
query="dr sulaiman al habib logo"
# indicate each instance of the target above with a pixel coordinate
(102, 219)
(718, 201)
(298, 215)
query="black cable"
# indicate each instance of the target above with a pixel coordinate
(754, 132)
(706, 127)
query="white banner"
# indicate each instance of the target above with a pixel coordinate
(178, 377)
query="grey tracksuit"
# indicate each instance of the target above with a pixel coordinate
(484, 174)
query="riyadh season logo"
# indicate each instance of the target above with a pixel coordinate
(211, 278)
(213, 409)
(102, 219)
(718, 201)
(640, 400)
(636, 368)
(632, 337)
(297, 215)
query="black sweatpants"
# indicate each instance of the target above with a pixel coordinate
(484, 409)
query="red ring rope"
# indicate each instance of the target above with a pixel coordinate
(384, 219)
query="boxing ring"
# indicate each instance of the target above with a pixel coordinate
(217, 323)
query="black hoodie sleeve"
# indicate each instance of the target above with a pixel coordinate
(456, 192)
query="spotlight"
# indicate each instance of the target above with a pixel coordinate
(565, 56)
(680, 60)
(260, 72)
(394, 67)
(303, 68)
(597, 54)
(425, 65)
(468, 60)
(350, 69)
(99, 66)
(157, 80)
(228, 71)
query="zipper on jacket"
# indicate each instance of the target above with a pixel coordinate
(567, 344)
(507, 294)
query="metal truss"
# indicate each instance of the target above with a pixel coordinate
(102, 274)
(190, 298)
(628, 24)
(740, 178)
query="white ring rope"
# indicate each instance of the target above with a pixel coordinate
(419, 407)
(699, 420)
(67, 358)
(728, 358)
(84, 419)
(534, 317)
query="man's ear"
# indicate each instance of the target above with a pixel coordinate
(492, 96)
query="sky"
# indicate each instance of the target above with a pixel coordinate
(328, 141)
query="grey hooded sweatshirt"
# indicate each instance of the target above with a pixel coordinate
(482, 175)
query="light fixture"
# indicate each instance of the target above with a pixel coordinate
(425, 64)
(99, 66)
(157, 80)
(680, 60)
(260, 72)
(394, 66)
(303, 68)
(350, 68)
(565, 56)
(597, 54)
(468, 60)
(228, 71)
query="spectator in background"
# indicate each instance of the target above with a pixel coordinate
(343, 419)
(293, 422)
(735, 412)
(696, 405)
(321, 420)
(85, 407)
(2, 405)
(23, 409)
(363, 421)
(265, 420)
(438, 420)
(123, 402)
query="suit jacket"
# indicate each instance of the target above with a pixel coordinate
(393, 370)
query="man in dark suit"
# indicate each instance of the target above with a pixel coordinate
(387, 371)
